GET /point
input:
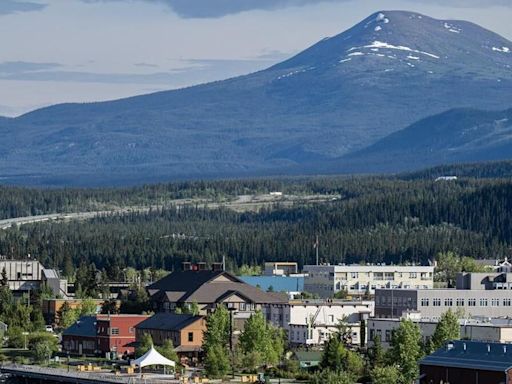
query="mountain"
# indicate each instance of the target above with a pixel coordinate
(340, 95)
(455, 136)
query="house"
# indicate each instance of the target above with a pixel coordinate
(80, 338)
(115, 333)
(326, 280)
(311, 322)
(468, 362)
(207, 288)
(184, 330)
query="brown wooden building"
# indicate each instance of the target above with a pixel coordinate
(184, 330)
(468, 362)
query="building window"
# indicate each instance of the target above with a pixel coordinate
(413, 275)
(483, 302)
(114, 331)
(460, 302)
(131, 330)
(331, 319)
(191, 336)
(353, 275)
(448, 302)
(242, 306)
(387, 335)
(436, 302)
(495, 302)
(506, 302)
(472, 302)
(424, 302)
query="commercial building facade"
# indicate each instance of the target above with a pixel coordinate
(493, 330)
(326, 280)
(116, 333)
(311, 322)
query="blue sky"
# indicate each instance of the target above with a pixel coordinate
(88, 50)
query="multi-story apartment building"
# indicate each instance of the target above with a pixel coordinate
(493, 330)
(311, 322)
(475, 295)
(327, 280)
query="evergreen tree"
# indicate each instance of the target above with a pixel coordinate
(167, 350)
(4, 282)
(406, 350)
(376, 353)
(448, 328)
(215, 343)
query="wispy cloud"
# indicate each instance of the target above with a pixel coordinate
(191, 71)
(15, 6)
(219, 8)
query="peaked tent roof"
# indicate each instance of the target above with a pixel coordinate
(152, 357)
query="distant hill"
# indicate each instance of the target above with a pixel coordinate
(341, 95)
(456, 136)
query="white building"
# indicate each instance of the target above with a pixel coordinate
(280, 268)
(311, 322)
(327, 280)
(497, 330)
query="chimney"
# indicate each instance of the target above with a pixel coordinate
(201, 266)
(186, 266)
(217, 267)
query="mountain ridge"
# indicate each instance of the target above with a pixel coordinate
(338, 96)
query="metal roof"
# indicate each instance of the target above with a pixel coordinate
(84, 327)
(472, 355)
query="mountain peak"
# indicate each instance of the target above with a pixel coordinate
(400, 40)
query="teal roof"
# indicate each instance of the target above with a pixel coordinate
(309, 356)
(472, 355)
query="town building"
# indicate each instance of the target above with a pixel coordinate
(468, 362)
(52, 308)
(104, 335)
(475, 295)
(326, 280)
(116, 333)
(311, 322)
(80, 338)
(208, 288)
(184, 330)
(483, 329)
(25, 275)
(280, 268)
(293, 286)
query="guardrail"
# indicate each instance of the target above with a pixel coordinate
(58, 374)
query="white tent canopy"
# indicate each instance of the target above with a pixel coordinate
(152, 357)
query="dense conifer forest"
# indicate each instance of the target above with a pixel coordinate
(369, 219)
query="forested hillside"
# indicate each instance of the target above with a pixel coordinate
(372, 220)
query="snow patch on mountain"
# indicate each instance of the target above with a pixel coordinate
(378, 28)
(502, 49)
(452, 28)
(380, 44)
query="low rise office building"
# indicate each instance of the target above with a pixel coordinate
(475, 295)
(489, 330)
(327, 280)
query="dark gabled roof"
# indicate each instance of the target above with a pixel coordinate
(168, 321)
(84, 327)
(207, 287)
(187, 280)
(472, 355)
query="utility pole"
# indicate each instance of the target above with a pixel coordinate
(316, 248)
